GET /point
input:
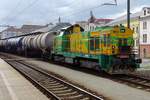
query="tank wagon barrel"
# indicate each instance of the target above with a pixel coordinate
(41, 41)
(14, 41)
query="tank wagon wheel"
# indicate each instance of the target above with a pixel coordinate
(76, 62)
(114, 68)
(131, 68)
(110, 71)
(98, 68)
(52, 57)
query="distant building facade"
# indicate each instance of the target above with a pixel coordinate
(145, 33)
(13, 31)
(10, 32)
(93, 22)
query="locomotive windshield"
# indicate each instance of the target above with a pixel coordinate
(122, 42)
(123, 46)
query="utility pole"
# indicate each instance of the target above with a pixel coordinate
(128, 13)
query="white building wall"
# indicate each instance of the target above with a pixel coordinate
(145, 31)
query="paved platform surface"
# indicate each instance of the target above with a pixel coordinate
(14, 86)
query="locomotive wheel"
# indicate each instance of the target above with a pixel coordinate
(52, 57)
(76, 62)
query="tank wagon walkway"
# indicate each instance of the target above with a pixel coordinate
(14, 86)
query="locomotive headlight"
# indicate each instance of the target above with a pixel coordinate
(122, 30)
(138, 60)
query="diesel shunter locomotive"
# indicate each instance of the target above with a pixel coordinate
(109, 47)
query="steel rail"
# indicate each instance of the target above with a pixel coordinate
(46, 91)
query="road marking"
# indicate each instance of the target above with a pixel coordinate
(12, 94)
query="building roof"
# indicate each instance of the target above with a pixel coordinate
(45, 29)
(95, 20)
(103, 20)
(99, 20)
(52, 28)
(30, 28)
(12, 29)
(78, 22)
(59, 26)
(146, 7)
(123, 18)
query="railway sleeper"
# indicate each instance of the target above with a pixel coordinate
(63, 91)
(58, 88)
(75, 97)
(68, 93)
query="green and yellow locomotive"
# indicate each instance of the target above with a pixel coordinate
(109, 48)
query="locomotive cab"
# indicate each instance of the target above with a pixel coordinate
(124, 50)
(125, 61)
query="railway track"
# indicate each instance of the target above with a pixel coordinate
(135, 81)
(131, 80)
(53, 87)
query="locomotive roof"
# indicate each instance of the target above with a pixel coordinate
(105, 28)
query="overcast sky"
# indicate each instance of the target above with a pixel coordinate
(18, 12)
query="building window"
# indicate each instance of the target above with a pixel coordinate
(133, 29)
(144, 38)
(137, 42)
(137, 30)
(144, 52)
(148, 11)
(144, 25)
(144, 12)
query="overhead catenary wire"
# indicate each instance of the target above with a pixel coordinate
(73, 13)
(22, 11)
(13, 9)
(26, 8)
(88, 9)
(11, 12)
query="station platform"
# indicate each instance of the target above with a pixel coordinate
(13, 86)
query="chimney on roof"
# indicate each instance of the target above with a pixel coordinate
(59, 20)
(92, 17)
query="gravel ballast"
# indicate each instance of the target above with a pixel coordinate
(105, 87)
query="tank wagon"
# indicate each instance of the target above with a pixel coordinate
(30, 45)
(106, 48)
(13, 44)
(38, 45)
